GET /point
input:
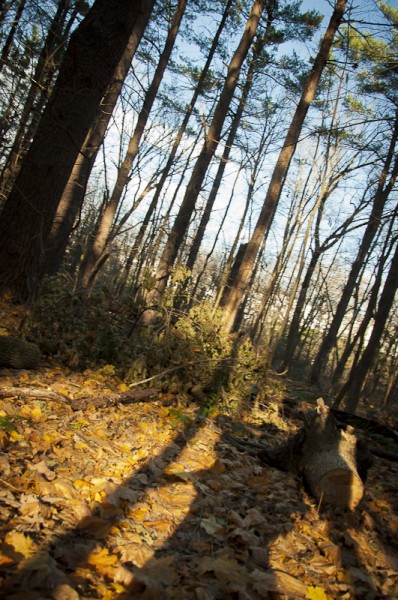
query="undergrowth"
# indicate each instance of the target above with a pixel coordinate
(188, 353)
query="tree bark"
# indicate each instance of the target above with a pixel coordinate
(94, 51)
(380, 198)
(18, 354)
(355, 383)
(94, 252)
(182, 220)
(47, 61)
(73, 196)
(170, 161)
(259, 46)
(330, 461)
(235, 294)
(11, 34)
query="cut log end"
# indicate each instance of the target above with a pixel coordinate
(340, 488)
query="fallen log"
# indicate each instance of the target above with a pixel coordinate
(17, 353)
(329, 461)
(332, 462)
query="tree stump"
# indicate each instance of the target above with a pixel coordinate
(330, 460)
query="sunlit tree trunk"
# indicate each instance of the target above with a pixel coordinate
(172, 156)
(382, 193)
(255, 168)
(138, 241)
(358, 339)
(352, 389)
(182, 220)
(94, 51)
(232, 301)
(217, 236)
(258, 48)
(95, 250)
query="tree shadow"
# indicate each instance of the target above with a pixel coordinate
(220, 545)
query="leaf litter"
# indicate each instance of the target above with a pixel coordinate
(149, 501)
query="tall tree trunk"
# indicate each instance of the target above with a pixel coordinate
(217, 236)
(94, 51)
(380, 198)
(357, 341)
(95, 250)
(232, 300)
(255, 167)
(137, 244)
(73, 195)
(355, 383)
(182, 220)
(5, 52)
(48, 60)
(258, 47)
(170, 161)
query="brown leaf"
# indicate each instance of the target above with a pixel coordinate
(58, 487)
(97, 526)
(63, 591)
(265, 582)
(137, 553)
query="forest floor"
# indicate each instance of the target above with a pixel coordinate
(151, 500)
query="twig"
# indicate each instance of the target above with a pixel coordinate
(12, 487)
(184, 366)
(6, 391)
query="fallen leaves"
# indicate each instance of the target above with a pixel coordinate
(139, 500)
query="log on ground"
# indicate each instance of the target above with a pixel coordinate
(17, 353)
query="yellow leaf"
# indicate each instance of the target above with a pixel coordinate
(316, 593)
(108, 370)
(21, 543)
(62, 390)
(122, 387)
(36, 414)
(344, 577)
(80, 483)
(25, 411)
(159, 525)
(102, 559)
(138, 513)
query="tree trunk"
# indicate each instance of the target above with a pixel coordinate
(358, 338)
(182, 220)
(193, 253)
(94, 51)
(170, 161)
(216, 238)
(48, 60)
(232, 301)
(73, 195)
(95, 250)
(330, 461)
(18, 354)
(380, 198)
(353, 387)
(11, 34)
